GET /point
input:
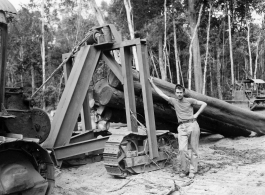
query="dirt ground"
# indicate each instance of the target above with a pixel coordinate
(227, 167)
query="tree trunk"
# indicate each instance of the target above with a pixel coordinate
(231, 47)
(219, 116)
(32, 79)
(21, 58)
(153, 62)
(161, 62)
(218, 72)
(257, 50)
(102, 92)
(97, 12)
(128, 7)
(211, 81)
(207, 49)
(168, 65)
(194, 45)
(43, 56)
(176, 50)
(165, 35)
(249, 51)
(262, 61)
(246, 65)
(166, 116)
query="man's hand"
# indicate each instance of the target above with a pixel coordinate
(157, 90)
(151, 79)
(195, 116)
(202, 106)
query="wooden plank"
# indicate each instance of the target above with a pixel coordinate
(73, 97)
(148, 99)
(129, 96)
(113, 65)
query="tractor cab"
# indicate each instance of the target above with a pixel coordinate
(251, 92)
(254, 89)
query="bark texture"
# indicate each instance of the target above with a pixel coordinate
(219, 116)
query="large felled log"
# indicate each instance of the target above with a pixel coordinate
(162, 111)
(221, 116)
(165, 114)
(119, 116)
(114, 82)
(102, 92)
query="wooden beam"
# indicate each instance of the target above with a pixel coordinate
(67, 67)
(125, 43)
(113, 65)
(126, 60)
(73, 97)
(85, 114)
(148, 99)
(116, 34)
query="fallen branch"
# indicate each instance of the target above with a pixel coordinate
(123, 185)
(174, 188)
(187, 183)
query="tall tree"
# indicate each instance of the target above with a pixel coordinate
(207, 49)
(176, 50)
(249, 50)
(257, 48)
(195, 48)
(128, 7)
(230, 44)
(195, 44)
(43, 50)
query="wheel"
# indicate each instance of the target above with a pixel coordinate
(128, 149)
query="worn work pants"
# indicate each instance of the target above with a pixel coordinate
(189, 133)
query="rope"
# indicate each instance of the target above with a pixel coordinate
(141, 124)
(73, 52)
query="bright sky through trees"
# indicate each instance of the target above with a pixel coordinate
(17, 3)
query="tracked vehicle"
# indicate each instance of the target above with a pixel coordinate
(25, 167)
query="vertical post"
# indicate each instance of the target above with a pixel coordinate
(3, 28)
(85, 114)
(85, 111)
(129, 96)
(147, 98)
(67, 67)
(73, 97)
(67, 70)
(43, 53)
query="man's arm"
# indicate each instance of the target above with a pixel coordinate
(202, 106)
(157, 90)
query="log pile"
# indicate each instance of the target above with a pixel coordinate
(219, 116)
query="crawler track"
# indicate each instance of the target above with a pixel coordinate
(129, 153)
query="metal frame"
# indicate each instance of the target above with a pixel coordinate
(75, 97)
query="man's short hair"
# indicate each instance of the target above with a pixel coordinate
(179, 87)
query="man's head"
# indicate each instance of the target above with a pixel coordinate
(179, 91)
